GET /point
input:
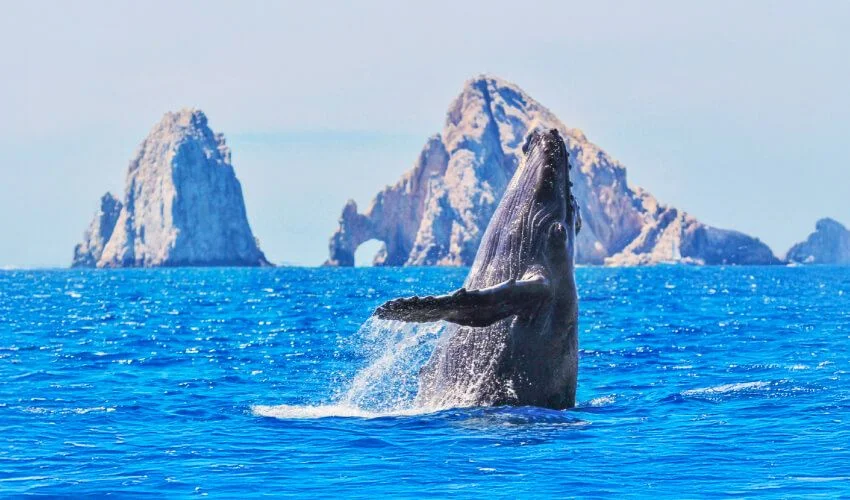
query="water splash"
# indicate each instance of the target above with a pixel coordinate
(396, 351)
(388, 382)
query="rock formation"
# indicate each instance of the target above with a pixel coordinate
(829, 244)
(87, 253)
(182, 206)
(438, 211)
(672, 236)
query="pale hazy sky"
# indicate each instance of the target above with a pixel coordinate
(738, 112)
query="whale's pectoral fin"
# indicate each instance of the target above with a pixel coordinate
(470, 307)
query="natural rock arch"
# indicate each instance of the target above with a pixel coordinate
(394, 216)
(369, 252)
(437, 213)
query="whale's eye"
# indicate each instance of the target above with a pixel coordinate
(558, 231)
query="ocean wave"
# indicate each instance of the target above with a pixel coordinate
(758, 389)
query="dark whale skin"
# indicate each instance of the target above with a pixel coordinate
(514, 337)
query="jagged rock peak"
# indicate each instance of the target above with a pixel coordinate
(88, 252)
(188, 124)
(829, 244)
(437, 213)
(183, 205)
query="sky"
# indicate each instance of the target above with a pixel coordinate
(737, 112)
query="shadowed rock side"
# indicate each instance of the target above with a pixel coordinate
(672, 236)
(436, 214)
(183, 204)
(87, 253)
(829, 244)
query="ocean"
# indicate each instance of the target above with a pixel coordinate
(693, 382)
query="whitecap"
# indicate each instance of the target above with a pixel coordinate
(726, 388)
(83, 411)
(24, 478)
(79, 445)
(822, 479)
(602, 401)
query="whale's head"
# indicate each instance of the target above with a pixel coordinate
(538, 219)
(553, 213)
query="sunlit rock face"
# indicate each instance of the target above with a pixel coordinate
(829, 244)
(88, 252)
(395, 214)
(437, 213)
(183, 204)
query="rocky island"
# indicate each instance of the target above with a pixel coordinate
(182, 206)
(829, 244)
(437, 212)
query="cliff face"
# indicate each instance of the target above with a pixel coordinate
(829, 244)
(437, 213)
(183, 204)
(87, 253)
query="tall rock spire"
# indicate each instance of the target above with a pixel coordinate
(183, 204)
(88, 252)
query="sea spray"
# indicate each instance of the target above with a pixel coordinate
(395, 352)
(387, 380)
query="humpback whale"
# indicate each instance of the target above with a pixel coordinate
(513, 334)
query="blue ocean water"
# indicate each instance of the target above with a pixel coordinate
(693, 382)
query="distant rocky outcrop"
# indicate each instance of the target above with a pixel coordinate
(182, 206)
(437, 213)
(829, 244)
(672, 236)
(88, 252)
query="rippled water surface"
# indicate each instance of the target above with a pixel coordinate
(693, 381)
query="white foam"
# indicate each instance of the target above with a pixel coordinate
(79, 445)
(329, 411)
(822, 479)
(726, 388)
(602, 401)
